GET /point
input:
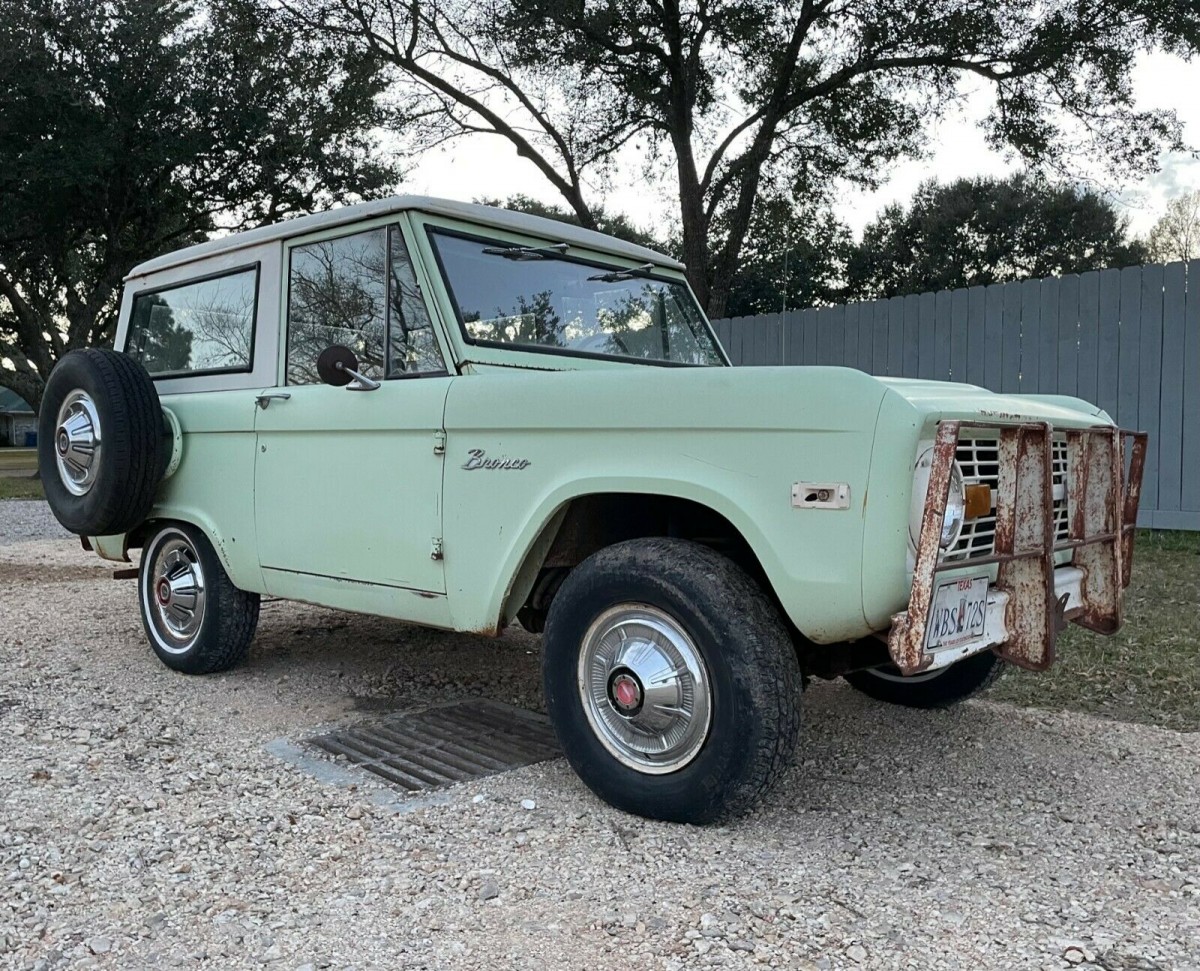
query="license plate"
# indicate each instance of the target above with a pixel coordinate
(958, 614)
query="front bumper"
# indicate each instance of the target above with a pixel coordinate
(1033, 597)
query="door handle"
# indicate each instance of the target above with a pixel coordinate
(265, 399)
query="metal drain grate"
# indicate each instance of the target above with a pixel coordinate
(445, 745)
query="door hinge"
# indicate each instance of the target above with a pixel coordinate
(439, 443)
(436, 552)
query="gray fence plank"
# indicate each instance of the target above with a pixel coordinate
(850, 354)
(824, 322)
(1089, 335)
(1170, 426)
(1108, 360)
(943, 320)
(1150, 376)
(976, 315)
(993, 337)
(895, 365)
(1130, 346)
(791, 343)
(1067, 381)
(837, 345)
(866, 335)
(926, 337)
(1010, 361)
(911, 357)
(959, 334)
(1047, 336)
(1031, 307)
(879, 338)
(721, 329)
(1190, 493)
(731, 340)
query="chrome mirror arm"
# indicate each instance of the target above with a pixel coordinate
(361, 381)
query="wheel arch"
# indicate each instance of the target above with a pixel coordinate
(572, 526)
(238, 560)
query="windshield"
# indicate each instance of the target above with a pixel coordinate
(536, 299)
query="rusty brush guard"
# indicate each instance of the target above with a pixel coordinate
(1103, 486)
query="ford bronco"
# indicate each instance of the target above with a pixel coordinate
(463, 417)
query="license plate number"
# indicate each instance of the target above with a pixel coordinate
(958, 614)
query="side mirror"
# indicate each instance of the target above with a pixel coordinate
(338, 365)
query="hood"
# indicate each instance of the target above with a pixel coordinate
(936, 400)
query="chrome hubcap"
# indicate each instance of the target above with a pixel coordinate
(645, 689)
(175, 593)
(77, 443)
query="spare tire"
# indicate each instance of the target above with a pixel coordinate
(102, 442)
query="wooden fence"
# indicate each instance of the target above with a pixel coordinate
(1128, 340)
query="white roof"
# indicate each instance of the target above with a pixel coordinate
(518, 222)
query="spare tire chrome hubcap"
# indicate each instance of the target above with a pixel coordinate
(645, 688)
(77, 443)
(175, 594)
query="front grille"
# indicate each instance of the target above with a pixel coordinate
(979, 459)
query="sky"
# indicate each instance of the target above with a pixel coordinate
(486, 166)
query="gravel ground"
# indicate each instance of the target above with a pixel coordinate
(144, 823)
(26, 519)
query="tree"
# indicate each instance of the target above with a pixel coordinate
(736, 100)
(984, 230)
(133, 127)
(1176, 236)
(794, 256)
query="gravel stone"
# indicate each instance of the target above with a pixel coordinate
(149, 811)
(22, 520)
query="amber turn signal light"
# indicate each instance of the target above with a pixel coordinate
(978, 500)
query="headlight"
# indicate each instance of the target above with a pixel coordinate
(956, 504)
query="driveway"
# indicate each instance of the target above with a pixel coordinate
(145, 822)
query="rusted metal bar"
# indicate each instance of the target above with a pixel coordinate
(1135, 443)
(1095, 475)
(1025, 513)
(906, 641)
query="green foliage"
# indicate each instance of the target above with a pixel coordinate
(794, 256)
(134, 127)
(737, 101)
(973, 232)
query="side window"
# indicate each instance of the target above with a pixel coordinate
(359, 291)
(337, 294)
(207, 325)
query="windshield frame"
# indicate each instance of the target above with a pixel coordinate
(432, 230)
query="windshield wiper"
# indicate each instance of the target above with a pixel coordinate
(527, 252)
(616, 276)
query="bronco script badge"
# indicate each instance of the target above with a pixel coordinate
(478, 459)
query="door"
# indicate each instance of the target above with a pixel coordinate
(347, 482)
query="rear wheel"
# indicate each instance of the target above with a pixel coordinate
(671, 681)
(197, 621)
(935, 689)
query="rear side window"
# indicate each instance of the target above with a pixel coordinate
(204, 326)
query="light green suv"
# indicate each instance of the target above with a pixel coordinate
(464, 417)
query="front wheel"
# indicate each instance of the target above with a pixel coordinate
(197, 621)
(671, 681)
(935, 689)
